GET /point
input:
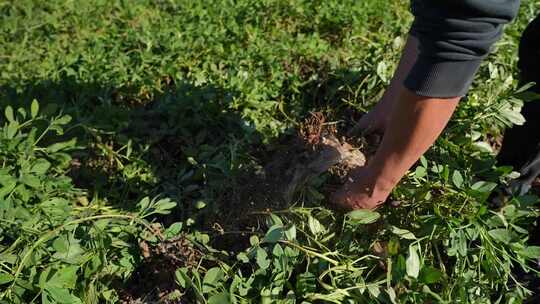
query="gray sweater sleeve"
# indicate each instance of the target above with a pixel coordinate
(454, 36)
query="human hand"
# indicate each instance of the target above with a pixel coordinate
(374, 121)
(361, 191)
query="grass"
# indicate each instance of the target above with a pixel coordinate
(133, 131)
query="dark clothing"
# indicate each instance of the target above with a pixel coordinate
(529, 55)
(521, 144)
(454, 36)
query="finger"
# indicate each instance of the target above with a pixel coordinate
(364, 126)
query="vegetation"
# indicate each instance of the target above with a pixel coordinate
(132, 132)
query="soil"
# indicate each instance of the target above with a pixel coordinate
(317, 148)
(154, 279)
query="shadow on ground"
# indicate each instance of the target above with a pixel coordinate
(186, 143)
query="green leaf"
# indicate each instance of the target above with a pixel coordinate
(5, 278)
(30, 180)
(403, 233)
(65, 119)
(40, 167)
(144, 203)
(44, 276)
(173, 230)
(68, 250)
(61, 295)
(8, 112)
(392, 295)
(242, 257)
(420, 172)
(423, 161)
(413, 262)
(274, 220)
(212, 278)
(430, 275)
(315, 226)
(277, 251)
(363, 216)
(56, 207)
(532, 252)
(458, 243)
(437, 168)
(60, 244)
(22, 112)
(12, 129)
(306, 283)
(220, 298)
(381, 70)
(261, 258)
(501, 235)
(7, 188)
(290, 233)
(254, 240)
(374, 290)
(203, 238)
(34, 108)
(393, 246)
(57, 129)
(163, 206)
(63, 278)
(200, 204)
(274, 234)
(525, 88)
(457, 179)
(513, 115)
(181, 276)
(62, 146)
(400, 268)
(528, 96)
(6, 179)
(483, 186)
(483, 147)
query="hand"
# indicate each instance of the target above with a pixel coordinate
(414, 125)
(361, 191)
(374, 121)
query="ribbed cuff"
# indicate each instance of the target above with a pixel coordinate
(441, 79)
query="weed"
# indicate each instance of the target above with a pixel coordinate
(137, 176)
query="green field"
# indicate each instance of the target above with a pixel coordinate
(135, 135)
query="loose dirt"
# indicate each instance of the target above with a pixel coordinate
(318, 148)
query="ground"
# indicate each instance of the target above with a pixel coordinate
(170, 151)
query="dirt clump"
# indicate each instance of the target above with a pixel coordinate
(317, 148)
(154, 280)
(323, 150)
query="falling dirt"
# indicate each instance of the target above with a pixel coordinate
(317, 148)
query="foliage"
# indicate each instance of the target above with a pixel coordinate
(179, 100)
(56, 244)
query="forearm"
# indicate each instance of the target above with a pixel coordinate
(448, 40)
(415, 124)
